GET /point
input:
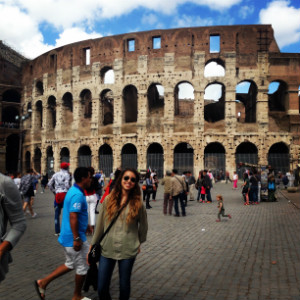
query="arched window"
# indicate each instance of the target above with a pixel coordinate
(246, 93)
(10, 117)
(107, 100)
(278, 96)
(39, 88)
(39, 114)
(86, 102)
(51, 110)
(184, 99)
(27, 160)
(12, 153)
(107, 75)
(214, 102)
(130, 98)
(214, 68)
(67, 109)
(50, 161)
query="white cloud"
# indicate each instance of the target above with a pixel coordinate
(150, 19)
(246, 10)
(213, 92)
(75, 34)
(190, 21)
(285, 20)
(213, 69)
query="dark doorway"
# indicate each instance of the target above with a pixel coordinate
(279, 158)
(106, 159)
(155, 159)
(246, 155)
(84, 156)
(12, 153)
(129, 156)
(184, 158)
(64, 155)
(214, 158)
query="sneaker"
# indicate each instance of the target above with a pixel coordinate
(229, 216)
(176, 215)
(218, 220)
(56, 234)
(34, 215)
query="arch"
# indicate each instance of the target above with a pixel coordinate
(214, 102)
(279, 157)
(10, 117)
(106, 159)
(39, 113)
(12, 153)
(50, 161)
(107, 100)
(129, 156)
(183, 158)
(39, 88)
(86, 102)
(107, 75)
(64, 155)
(214, 158)
(27, 160)
(214, 68)
(11, 96)
(84, 156)
(130, 99)
(51, 110)
(278, 96)
(155, 159)
(184, 99)
(246, 155)
(246, 93)
(37, 159)
(67, 109)
(155, 96)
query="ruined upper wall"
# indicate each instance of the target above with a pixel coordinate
(245, 40)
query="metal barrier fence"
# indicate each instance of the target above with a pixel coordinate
(156, 162)
(184, 162)
(129, 161)
(214, 162)
(250, 158)
(106, 163)
(280, 162)
(84, 161)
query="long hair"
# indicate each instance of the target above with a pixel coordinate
(134, 198)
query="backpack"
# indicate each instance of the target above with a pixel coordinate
(271, 185)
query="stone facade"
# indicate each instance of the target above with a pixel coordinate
(75, 110)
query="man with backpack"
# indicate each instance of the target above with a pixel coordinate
(59, 184)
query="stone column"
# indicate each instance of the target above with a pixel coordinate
(169, 112)
(142, 113)
(118, 116)
(230, 111)
(262, 109)
(96, 117)
(77, 116)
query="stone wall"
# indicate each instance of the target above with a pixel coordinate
(248, 53)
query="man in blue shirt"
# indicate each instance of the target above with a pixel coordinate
(72, 236)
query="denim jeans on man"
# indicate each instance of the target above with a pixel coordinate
(181, 199)
(105, 271)
(58, 208)
(253, 193)
(208, 195)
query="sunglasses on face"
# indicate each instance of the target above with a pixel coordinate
(132, 179)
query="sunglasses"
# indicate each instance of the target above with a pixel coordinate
(132, 179)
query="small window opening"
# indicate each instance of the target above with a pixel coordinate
(214, 44)
(156, 42)
(87, 56)
(131, 45)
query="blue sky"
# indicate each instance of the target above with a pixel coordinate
(36, 26)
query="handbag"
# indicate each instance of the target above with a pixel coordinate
(95, 252)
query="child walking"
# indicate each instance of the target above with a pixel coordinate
(221, 208)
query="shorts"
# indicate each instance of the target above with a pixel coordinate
(77, 260)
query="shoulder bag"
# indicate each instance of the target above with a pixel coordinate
(95, 252)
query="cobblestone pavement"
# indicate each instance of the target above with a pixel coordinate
(255, 255)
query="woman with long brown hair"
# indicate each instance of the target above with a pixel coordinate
(122, 243)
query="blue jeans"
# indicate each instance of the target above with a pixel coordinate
(58, 208)
(105, 271)
(175, 199)
(254, 193)
(208, 195)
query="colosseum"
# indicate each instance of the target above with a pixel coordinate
(189, 98)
